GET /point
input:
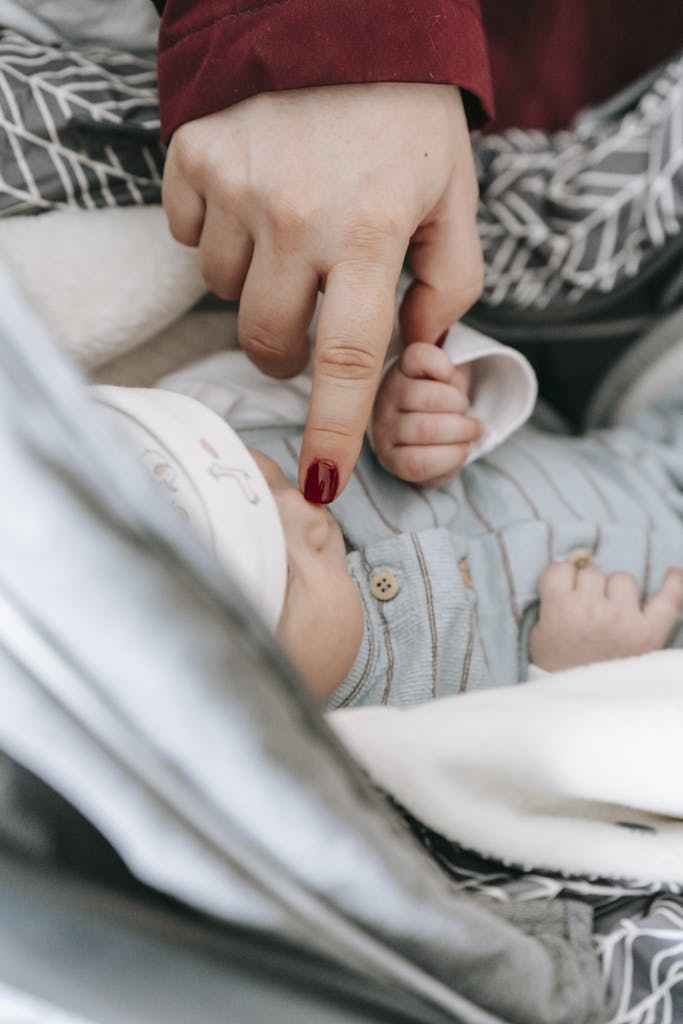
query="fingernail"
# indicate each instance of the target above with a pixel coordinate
(322, 481)
(440, 340)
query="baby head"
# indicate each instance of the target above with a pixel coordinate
(288, 555)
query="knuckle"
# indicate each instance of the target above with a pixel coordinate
(387, 458)
(426, 430)
(465, 290)
(262, 344)
(413, 357)
(623, 577)
(291, 214)
(384, 409)
(215, 282)
(372, 232)
(430, 401)
(228, 192)
(473, 287)
(383, 447)
(460, 457)
(344, 359)
(178, 231)
(460, 378)
(328, 435)
(414, 466)
(184, 153)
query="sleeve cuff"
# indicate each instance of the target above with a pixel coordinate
(212, 55)
(503, 387)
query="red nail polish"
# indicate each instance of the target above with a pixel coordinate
(322, 481)
(440, 340)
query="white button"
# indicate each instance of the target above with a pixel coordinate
(384, 586)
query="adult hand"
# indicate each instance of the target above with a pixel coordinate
(326, 188)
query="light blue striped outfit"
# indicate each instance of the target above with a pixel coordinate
(467, 557)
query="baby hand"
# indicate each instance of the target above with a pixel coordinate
(420, 428)
(586, 616)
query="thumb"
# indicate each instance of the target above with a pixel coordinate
(662, 610)
(354, 330)
(446, 258)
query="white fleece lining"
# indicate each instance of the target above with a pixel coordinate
(541, 775)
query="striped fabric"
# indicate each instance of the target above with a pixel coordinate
(468, 557)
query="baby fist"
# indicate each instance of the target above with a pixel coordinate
(586, 616)
(420, 427)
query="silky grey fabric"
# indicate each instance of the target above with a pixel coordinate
(137, 681)
(127, 24)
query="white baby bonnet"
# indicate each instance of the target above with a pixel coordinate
(206, 472)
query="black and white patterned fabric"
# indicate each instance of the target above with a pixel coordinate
(579, 213)
(563, 217)
(638, 928)
(78, 128)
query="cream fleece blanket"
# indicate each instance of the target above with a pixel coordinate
(579, 772)
(104, 280)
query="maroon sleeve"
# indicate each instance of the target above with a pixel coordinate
(213, 53)
(562, 56)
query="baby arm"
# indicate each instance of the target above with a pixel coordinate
(420, 427)
(586, 616)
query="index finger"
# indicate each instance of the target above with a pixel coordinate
(354, 330)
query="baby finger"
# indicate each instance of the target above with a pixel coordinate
(423, 360)
(591, 581)
(427, 465)
(557, 580)
(416, 428)
(662, 610)
(623, 587)
(429, 396)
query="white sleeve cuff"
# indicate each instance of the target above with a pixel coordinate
(503, 386)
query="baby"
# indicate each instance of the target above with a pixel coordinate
(548, 549)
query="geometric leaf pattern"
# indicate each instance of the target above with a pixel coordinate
(562, 217)
(577, 213)
(77, 127)
(638, 927)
